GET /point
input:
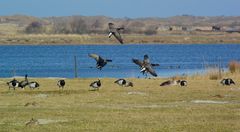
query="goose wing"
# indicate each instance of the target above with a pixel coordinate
(155, 65)
(118, 36)
(151, 70)
(138, 62)
(111, 27)
(95, 56)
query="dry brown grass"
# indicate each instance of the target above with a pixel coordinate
(214, 73)
(163, 38)
(234, 66)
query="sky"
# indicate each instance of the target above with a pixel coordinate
(120, 8)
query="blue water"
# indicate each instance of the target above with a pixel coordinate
(58, 61)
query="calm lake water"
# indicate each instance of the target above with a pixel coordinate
(58, 61)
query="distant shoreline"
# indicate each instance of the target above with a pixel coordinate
(164, 38)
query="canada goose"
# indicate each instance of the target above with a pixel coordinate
(96, 84)
(13, 84)
(100, 61)
(115, 32)
(182, 82)
(146, 66)
(24, 83)
(169, 83)
(61, 83)
(33, 85)
(227, 81)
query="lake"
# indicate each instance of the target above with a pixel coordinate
(58, 60)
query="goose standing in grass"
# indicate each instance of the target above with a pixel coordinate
(100, 61)
(227, 82)
(24, 83)
(169, 83)
(146, 66)
(13, 84)
(96, 85)
(33, 85)
(61, 83)
(115, 32)
(123, 82)
(182, 82)
(129, 84)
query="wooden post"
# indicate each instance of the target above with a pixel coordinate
(75, 67)
(14, 72)
(220, 68)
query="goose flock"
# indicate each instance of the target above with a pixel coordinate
(145, 67)
(22, 84)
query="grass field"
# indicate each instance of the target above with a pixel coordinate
(204, 105)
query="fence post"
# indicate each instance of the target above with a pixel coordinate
(75, 67)
(14, 72)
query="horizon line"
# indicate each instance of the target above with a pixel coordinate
(126, 17)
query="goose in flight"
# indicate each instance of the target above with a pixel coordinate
(115, 32)
(146, 66)
(100, 61)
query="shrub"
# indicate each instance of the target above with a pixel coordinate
(34, 27)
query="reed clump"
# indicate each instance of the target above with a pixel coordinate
(214, 74)
(234, 66)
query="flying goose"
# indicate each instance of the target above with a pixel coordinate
(96, 85)
(146, 66)
(13, 84)
(100, 61)
(115, 32)
(227, 81)
(61, 83)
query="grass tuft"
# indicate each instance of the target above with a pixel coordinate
(234, 66)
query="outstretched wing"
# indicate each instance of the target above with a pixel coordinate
(151, 70)
(111, 27)
(138, 62)
(94, 56)
(155, 65)
(118, 36)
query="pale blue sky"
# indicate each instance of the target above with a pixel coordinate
(120, 8)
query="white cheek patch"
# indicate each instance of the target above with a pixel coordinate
(110, 34)
(143, 69)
